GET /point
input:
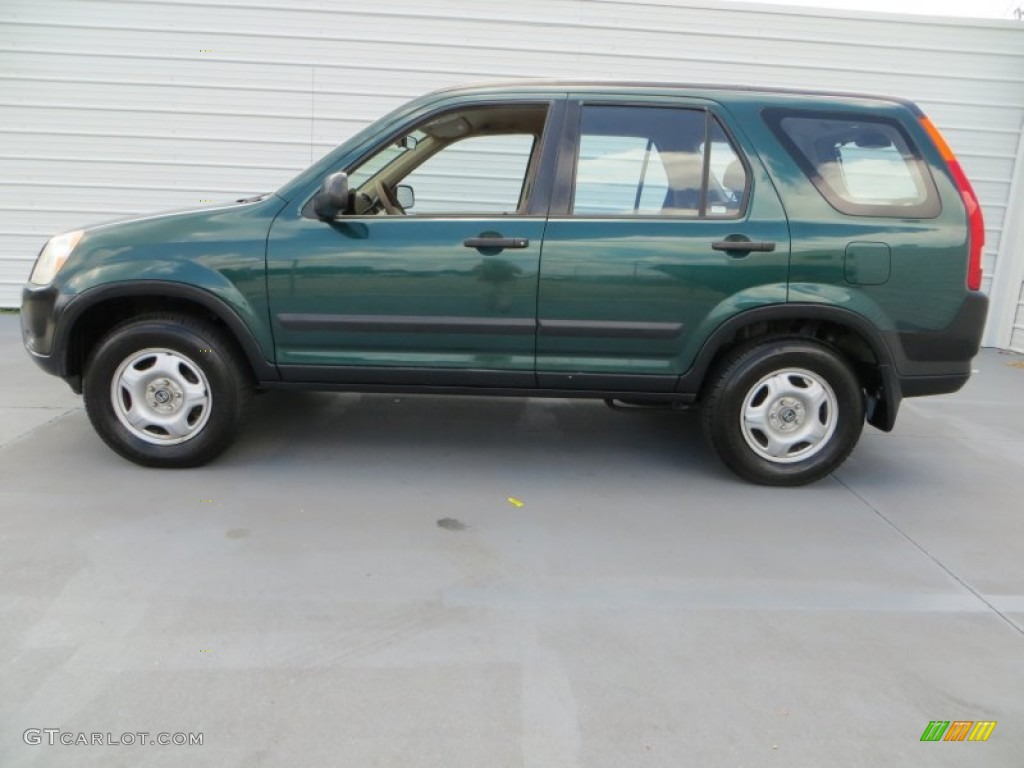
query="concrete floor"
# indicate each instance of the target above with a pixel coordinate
(350, 586)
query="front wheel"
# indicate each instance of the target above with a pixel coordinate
(783, 412)
(166, 391)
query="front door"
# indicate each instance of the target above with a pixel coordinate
(431, 276)
(668, 226)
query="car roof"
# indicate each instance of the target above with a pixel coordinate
(688, 89)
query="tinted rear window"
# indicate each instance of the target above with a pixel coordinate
(861, 166)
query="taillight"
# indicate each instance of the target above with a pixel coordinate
(976, 224)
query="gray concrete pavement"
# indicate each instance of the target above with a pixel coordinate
(298, 603)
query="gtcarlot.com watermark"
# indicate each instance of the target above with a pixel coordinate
(55, 736)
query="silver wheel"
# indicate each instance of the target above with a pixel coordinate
(789, 415)
(161, 396)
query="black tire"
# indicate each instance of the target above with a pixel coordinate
(184, 373)
(805, 395)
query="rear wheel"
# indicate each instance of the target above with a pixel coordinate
(783, 412)
(166, 391)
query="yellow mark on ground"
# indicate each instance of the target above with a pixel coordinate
(514, 501)
(1016, 364)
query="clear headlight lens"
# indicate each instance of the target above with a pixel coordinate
(54, 254)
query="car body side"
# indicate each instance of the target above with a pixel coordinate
(912, 334)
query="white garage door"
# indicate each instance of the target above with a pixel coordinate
(115, 108)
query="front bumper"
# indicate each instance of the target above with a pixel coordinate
(40, 313)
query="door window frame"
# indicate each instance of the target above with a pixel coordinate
(563, 189)
(542, 162)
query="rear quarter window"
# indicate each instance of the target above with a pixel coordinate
(863, 166)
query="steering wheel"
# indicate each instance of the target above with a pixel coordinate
(386, 200)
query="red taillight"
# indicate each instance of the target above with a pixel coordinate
(975, 221)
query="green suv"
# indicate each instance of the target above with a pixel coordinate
(793, 263)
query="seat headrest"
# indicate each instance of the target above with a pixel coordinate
(735, 177)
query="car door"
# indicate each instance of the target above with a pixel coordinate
(663, 224)
(442, 292)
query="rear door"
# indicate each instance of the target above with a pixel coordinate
(663, 224)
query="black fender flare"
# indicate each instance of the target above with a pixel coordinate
(881, 411)
(77, 305)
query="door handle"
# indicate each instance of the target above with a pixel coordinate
(746, 246)
(496, 242)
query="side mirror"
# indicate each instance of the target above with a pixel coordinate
(332, 198)
(405, 197)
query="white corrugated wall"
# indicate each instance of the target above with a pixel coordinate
(1017, 331)
(1006, 316)
(115, 107)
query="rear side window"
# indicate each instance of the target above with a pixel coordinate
(656, 161)
(861, 166)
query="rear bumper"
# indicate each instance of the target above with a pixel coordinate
(940, 359)
(929, 362)
(922, 386)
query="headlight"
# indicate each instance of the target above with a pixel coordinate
(54, 254)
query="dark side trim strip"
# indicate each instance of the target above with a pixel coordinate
(609, 329)
(513, 326)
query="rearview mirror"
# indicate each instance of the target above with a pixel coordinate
(872, 139)
(405, 196)
(332, 198)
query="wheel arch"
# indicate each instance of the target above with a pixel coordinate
(90, 315)
(850, 333)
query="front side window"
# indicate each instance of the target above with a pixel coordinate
(479, 160)
(656, 161)
(483, 174)
(861, 166)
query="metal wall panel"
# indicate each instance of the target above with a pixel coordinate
(113, 108)
(1006, 315)
(1017, 331)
